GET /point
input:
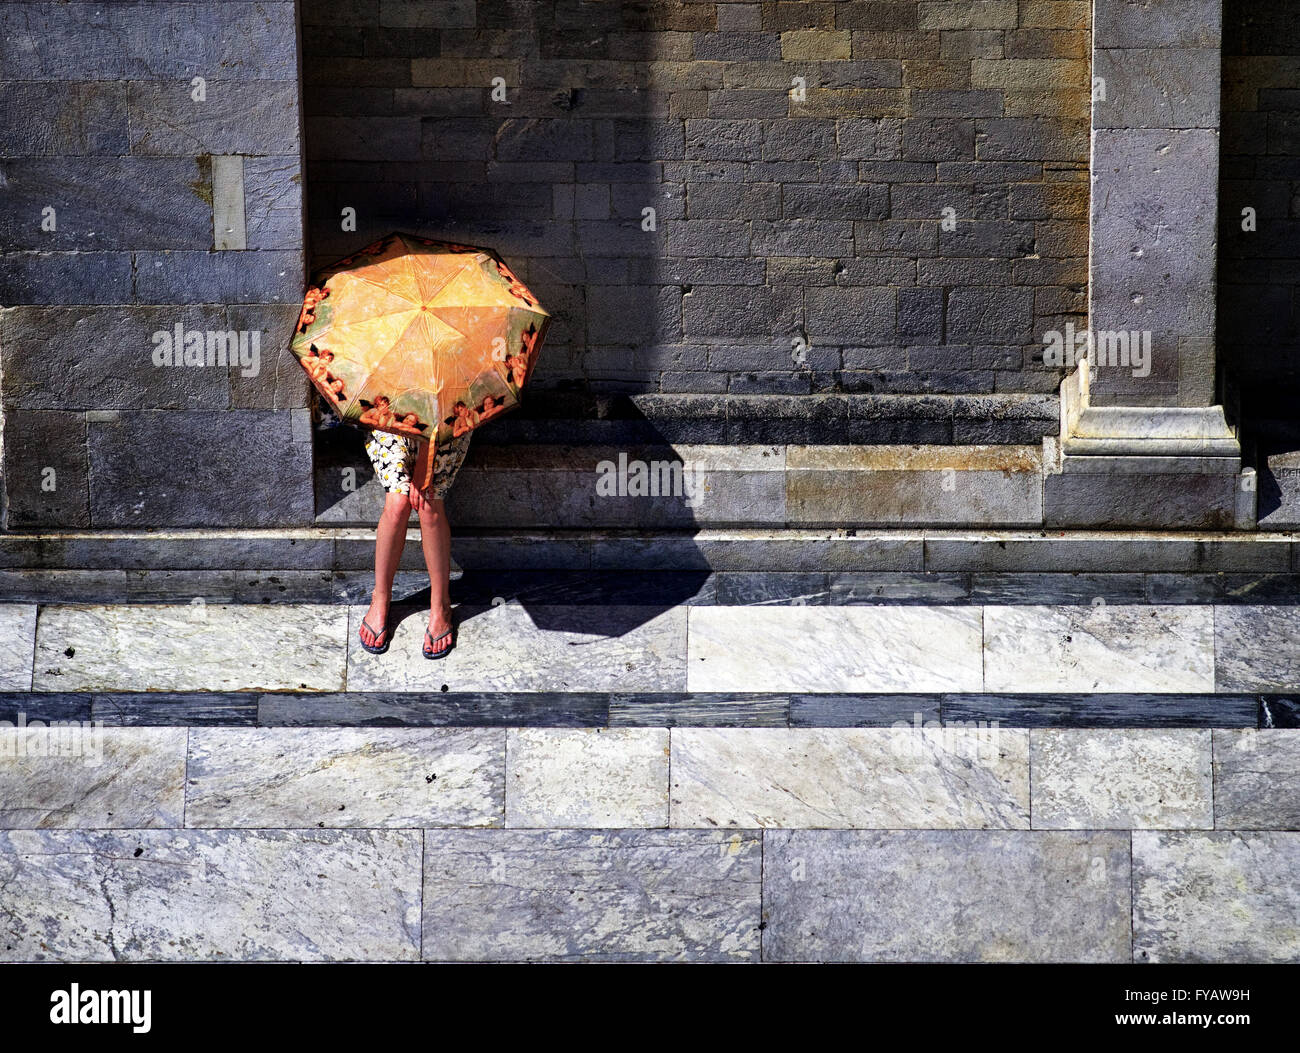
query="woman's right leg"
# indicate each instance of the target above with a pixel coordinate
(390, 536)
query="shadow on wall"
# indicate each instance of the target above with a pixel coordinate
(1259, 213)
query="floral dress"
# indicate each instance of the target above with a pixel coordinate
(393, 457)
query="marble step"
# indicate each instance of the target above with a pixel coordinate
(535, 645)
(651, 895)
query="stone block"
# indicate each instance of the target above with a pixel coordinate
(45, 469)
(233, 468)
(166, 895)
(1215, 897)
(946, 895)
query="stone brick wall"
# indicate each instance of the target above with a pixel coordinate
(799, 283)
(1259, 310)
(108, 202)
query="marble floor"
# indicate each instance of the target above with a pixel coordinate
(655, 780)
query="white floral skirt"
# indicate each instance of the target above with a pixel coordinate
(393, 458)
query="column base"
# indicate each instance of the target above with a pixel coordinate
(1152, 467)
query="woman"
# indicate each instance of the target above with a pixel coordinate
(397, 460)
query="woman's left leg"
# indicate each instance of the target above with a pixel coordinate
(435, 539)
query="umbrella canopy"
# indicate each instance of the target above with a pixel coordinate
(418, 337)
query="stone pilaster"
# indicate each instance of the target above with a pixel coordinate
(1144, 441)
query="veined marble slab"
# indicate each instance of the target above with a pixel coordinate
(1099, 648)
(1257, 779)
(194, 647)
(511, 647)
(945, 896)
(77, 775)
(345, 777)
(1121, 779)
(1216, 897)
(18, 630)
(809, 649)
(210, 895)
(1255, 648)
(609, 895)
(885, 778)
(587, 777)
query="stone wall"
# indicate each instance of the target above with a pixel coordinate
(798, 284)
(133, 201)
(1259, 311)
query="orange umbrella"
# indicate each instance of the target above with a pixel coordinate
(422, 338)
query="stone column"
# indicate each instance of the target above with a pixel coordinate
(1144, 442)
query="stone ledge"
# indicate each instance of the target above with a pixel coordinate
(344, 549)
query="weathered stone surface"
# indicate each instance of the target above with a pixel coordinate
(599, 778)
(219, 895)
(45, 469)
(18, 628)
(510, 647)
(239, 467)
(1157, 87)
(1254, 650)
(102, 358)
(235, 117)
(195, 647)
(889, 778)
(1099, 648)
(1216, 897)
(104, 204)
(636, 895)
(945, 895)
(64, 119)
(858, 649)
(1257, 779)
(304, 777)
(879, 485)
(255, 41)
(119, 778)
(219, 277)
(1130, 779)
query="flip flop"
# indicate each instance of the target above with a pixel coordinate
(444, 652)
(374, 648)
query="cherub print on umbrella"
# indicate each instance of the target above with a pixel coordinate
(419, 337)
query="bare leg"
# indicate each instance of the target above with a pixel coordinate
(390, 536)
(435, 539)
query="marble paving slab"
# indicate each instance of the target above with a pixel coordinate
(586, 778)
(1257, 779)
(1216, 897)
(82, 776)
(210, 895)
(945, 896)
(1099, 648)
(838, 649)
(1121, 780)
(820, 778)
(1255, 648)
(610, 895)
(18, 630)
(345, 777)
(192, 647)
(511, 647)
